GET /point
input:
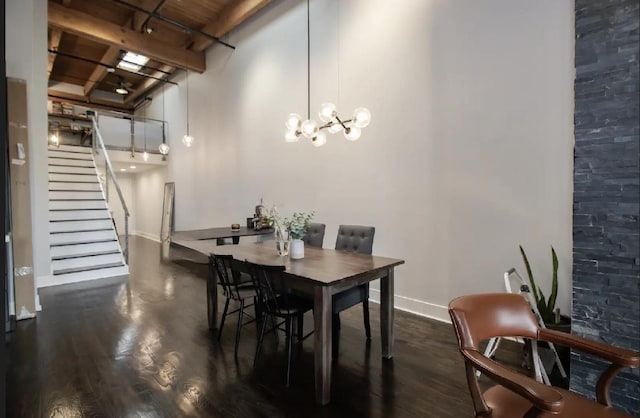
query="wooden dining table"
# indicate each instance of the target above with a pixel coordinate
(321, 273)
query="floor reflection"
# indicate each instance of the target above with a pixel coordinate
(142, 348)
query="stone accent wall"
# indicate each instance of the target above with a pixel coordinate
(606, 230)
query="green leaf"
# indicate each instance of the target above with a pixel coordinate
(534, 288)
(551, 304)
(543, 308)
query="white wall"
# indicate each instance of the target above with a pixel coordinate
(469, 153)
(149, 192)
(26, 55)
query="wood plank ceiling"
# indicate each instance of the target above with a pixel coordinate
(88, 39)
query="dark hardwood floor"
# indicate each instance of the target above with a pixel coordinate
(142, 348)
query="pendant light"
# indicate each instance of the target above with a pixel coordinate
(164, 147)
(122, 88)
(309, 128)
(145, 154)
(187, 140)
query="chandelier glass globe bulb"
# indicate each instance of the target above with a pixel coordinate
(54, 139)
(163, 148)
(188, 140)
(361, 117)
(291, 136)
(309, 128)
(319, 140)
(327, 112)
(353, 134)
(293, 122)
(335, 128)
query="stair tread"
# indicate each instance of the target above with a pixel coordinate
(121, 271)
(70, 155)
(81, 220)
(82, 255)
(114, 240)
(82, 242)
(75, 148)
(82, 230)
(87, 261)
(92, 268)
(92, 173)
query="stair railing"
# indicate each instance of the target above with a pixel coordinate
(98, 143)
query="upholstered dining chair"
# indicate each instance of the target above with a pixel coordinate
(356, 239)
(478, 318)
(276, 301)
(235, 287)
(315, 235)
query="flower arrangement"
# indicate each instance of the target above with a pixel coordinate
(296, 226)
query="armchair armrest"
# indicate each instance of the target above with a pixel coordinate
(616, 355)
(543, 397)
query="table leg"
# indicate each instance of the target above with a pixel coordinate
(212, 297)
(235, 240)
(322, 338)
(386, 314)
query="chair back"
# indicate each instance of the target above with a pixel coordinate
(228, 270)
(477, 318)
(355, 238)
(273, 295)
(315, 235)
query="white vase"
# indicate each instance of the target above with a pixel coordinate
(296, 250)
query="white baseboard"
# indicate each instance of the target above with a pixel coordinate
(24, 314)
(152, 237)
(415, 306)
(38, 306)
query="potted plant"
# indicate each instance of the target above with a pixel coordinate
(297, 227)
(552, 319)
(290, 229)
(547, 306)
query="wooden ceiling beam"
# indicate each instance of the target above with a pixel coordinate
(89, 102)
(148, 84)
(54, 42)
(100, 71)
(91, 27)
(139, 17)
(230, 17)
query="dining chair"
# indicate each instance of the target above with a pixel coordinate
(477, 318)
(315, 235)
(276, 301)
(236, 287)
(356, 239)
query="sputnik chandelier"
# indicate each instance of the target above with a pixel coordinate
(351, 128)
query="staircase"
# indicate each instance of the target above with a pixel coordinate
(83, 239)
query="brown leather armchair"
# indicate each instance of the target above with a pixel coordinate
(477, 318)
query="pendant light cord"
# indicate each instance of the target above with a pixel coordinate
(186, 62)
(308, 63)
(144, 127)
(163, 117)
(338, 31)
(187, 81)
